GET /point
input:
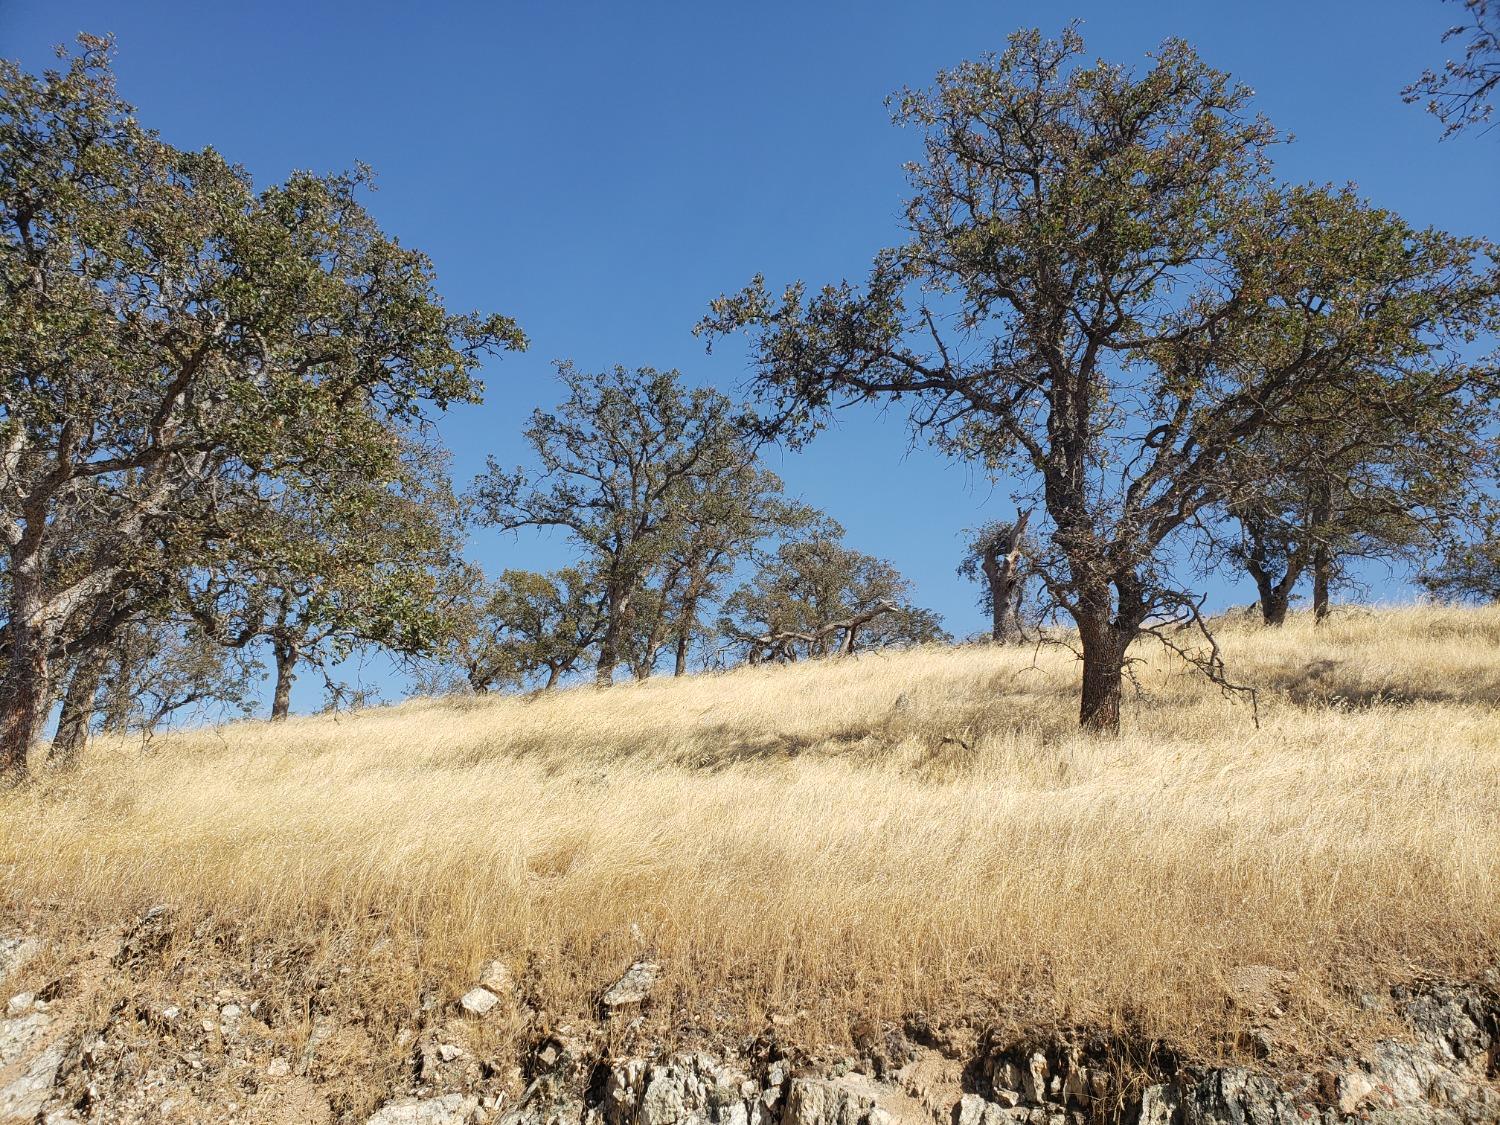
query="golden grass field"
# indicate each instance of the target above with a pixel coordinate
(921, 831)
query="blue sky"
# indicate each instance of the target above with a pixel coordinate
(601, 170)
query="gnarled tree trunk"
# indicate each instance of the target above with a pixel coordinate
(77, 709)
(1103, 675)
(1001, 563)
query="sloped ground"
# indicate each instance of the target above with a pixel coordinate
(909, 848)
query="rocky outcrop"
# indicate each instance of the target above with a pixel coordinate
(218, 1053)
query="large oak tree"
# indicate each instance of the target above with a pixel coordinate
(1104, 292)
(166, 332)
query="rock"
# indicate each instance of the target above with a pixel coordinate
(1159, 1105)
(1259, 988)
(450, 1109)
(634, 987)
(32, 1066)
(478, 1001)
(15, 952)
(450, 1051)
(850, 1100)
(495, 976)
(231, 1012)
(20, 1003)
(171, 1012)
(279, 1068)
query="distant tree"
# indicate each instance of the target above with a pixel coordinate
(726, 518)
(321, 568)
(1469, 571)
(1105, 294)
(816, 597)
(630, 462)
(1384, 479)
(1462, 94)
(167, 331)
(523, 629)
(996, 556)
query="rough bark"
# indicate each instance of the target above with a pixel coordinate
(26, 695)
(1103, 676)
(1322, 578)
(617, 607)
(286, 673)
(77, 709)
(1000, 561)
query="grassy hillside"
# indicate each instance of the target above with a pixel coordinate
(922, 832)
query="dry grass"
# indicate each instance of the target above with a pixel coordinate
(921, 831)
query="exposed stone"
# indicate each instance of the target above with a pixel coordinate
(495, 976)
(15, 952)
(450, 1109)
(20, 1003)
(27, 1073)
(478, 1001)
(634, 987)
(279, 1068)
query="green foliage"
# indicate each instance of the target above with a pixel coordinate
(658, 487)
(815, 596)
(169, 334)
(1106, 294)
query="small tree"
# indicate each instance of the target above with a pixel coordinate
(630, 463)
(1462, 93)
(320, 568)
(165, 332)
(1383, 479)
(523, 629)
(816, 597)
(1106, 294)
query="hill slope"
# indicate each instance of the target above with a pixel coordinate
(920, 835)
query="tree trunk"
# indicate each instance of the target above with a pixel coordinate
(1001, 565)
(26, 695)
(77, 709)
(1103, 675)
(286, 673)
(617, 605)
(1322, 575)
(1273, 606)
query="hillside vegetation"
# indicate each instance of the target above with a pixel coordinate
(924, 831)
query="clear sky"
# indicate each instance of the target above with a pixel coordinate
(601, 170)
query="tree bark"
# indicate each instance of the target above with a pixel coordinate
(1103, 676)
(1322, 577)
(24, 700)
(77, 709)
(1001, 565)
(617, 606)
(286, 673)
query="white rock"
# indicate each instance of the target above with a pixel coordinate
(171, 1012)
(450, 1051)
(231, 1011)
(20, 1003)
(279, 1068)
(15, 952)
(22, 1098)
(478, 1001)
(634, 986)
(494, 976)
(450, 1109)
